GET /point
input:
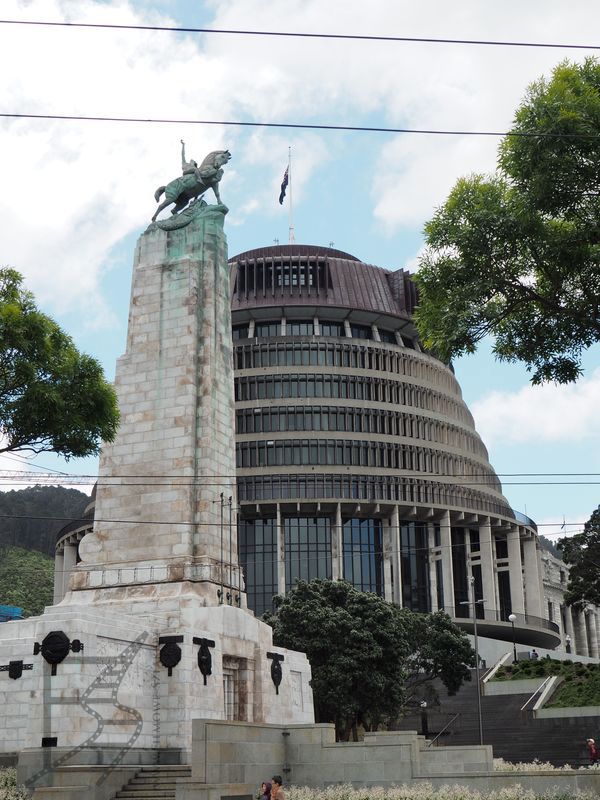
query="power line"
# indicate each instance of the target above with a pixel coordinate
(298, 125)
(302, 35)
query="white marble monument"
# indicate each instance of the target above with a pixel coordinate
(154, 630)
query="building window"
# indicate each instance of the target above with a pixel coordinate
(550, 611)
(257, 541)
(504, 594)
(332, 328)
(361, 332)
(387, 336)
(363, 556)
(267, 329)
(414, 554)
(307, 549)
(232, 677)
(299, 328)
(459, 569)
(474, 541)
(562, 576)
(501, 548)
(239, 332)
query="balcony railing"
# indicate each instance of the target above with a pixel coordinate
(490, 615)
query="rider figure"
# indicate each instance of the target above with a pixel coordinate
(189, 167)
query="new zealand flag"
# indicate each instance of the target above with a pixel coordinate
(284, 185)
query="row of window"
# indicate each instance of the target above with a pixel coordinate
(337, 354)
(348, 387)
(310, 328)
(308, 555)
(265, 277)
(341, 452)
(392, 488)
(271, 419)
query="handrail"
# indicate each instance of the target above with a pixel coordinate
(540, 687)
(443, 730)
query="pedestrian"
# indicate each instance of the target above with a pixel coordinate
(265, 791)
(593, 751)
(277, 792)
(533, 655)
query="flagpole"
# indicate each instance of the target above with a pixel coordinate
(292, 238)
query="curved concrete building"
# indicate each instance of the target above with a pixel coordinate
(356, 455)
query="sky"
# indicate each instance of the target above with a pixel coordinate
(76, 195)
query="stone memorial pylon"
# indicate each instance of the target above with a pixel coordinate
(154, 630)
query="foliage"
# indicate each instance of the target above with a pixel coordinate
(32, 517)
(26, 580)
(425, 791)
(52, 397)
(500, 765)
(368, 657)
(517, 254)
(581, 686)
(549, 545)
(8, 786)
(582, 553)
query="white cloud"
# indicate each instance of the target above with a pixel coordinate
(538, 414)
(72, 191)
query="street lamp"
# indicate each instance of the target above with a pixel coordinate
(512, 618)
(475, 642)
(568, 643)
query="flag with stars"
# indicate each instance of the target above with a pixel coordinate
(284, 185)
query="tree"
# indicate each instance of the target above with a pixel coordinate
(367, 655)
(52, 397)
(582, 553)
(517, 254)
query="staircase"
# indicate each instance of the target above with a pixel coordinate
(515, 735)
(154, 783)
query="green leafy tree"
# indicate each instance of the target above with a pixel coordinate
(517, 254)
(52, 397)
(26, 579)
(582, 553)
(367, 655)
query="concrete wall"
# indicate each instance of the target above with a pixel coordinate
(242, 753)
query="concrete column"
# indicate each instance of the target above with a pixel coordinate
(280, 553)
(532, 578)
(517, 599)
(580, 634)
(591, 621)
(316, 326)
(569, 627)
(432, 570)
(488, 575)
(283, 324)
(337, 546)
(447, 570)
(58, 576)
(251, 329)
(396, 560)
(69, 562)
(388, 549)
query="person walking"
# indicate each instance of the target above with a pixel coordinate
(593, 751)
(265, 791)
(277, 792)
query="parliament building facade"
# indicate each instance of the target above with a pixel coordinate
(358, 459)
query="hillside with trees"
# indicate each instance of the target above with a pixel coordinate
(32, 517)
(26, 579)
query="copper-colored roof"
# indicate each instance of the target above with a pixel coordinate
(296, 275)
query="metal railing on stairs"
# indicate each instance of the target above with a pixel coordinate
(444, 729)
(539, 689)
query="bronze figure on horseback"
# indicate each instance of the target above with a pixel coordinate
(194, 181)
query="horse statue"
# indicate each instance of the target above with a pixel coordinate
(194, 182)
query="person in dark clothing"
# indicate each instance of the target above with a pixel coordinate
(265, 791)
(593, 751)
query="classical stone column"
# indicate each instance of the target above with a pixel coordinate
(447, 570)
(570, 628)
(396, 559)
(488, 576)
(69, 562)
(532, 578)
(337, 546)
(58, 576)
(591, 621)
(580, 633)
(433, 596)
(517, 599)
(387, 559)
(280, 552)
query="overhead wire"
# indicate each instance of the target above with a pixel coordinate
(298, 125)
(300, 34)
